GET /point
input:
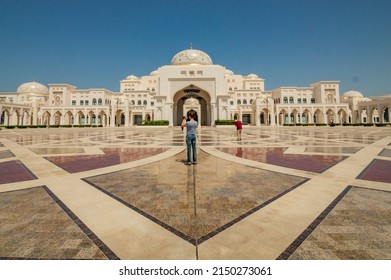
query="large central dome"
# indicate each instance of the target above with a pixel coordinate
(191, 56)
(32, 88)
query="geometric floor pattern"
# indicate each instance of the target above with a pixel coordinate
(14, 171)
(358, 227)
(378, 170)
(206, 198)
(38, 228)
(112, 156)
(276, 156)
(125, 193)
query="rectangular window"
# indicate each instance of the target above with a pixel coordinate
(82, 102)
(299, 100)
(86, 102)
(73, 102)
(304, 100)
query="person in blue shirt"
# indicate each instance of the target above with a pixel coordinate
(191, 127)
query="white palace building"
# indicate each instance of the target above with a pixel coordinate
(191, 81)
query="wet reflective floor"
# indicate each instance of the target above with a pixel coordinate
(280, 193)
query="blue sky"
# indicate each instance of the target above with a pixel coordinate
(95, 44)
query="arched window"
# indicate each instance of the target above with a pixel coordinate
(244, 101)
(132, 102)
(100, 101)
(58, 101)
(239, 101)
(145, 102)
(251, 101)
(285, 100)
(139, 102)
(291, 99)
(94, 101)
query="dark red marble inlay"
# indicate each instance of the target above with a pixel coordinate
(14, 171)
(112, 156)
(276, 156)
(378, 170)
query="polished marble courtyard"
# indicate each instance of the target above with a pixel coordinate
(125, 193)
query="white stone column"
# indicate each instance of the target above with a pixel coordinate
(310, 116)
(272, 117)
(112, 118)
(126, 115)
(381, 114)
(325, 116)
(257, 113)
(213, 113)
(369, 115)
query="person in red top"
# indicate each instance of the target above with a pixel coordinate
(238, 125)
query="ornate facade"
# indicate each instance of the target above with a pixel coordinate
(216, 92)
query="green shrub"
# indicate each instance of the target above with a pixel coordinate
(9, 126)
(158, 122)
(321, 124)
(224, 122)
(367, 124)
(381, 124)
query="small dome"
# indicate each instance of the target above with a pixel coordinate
(131, 77)
(191, 56)
(32, 87)
(252, 76)
(191, 101)
(229, 72)
(352, 93)
(153, 73)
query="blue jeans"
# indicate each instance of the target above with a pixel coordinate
(191, 147)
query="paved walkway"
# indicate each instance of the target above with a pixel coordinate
(116, 193)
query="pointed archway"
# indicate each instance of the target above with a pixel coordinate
(198, 93)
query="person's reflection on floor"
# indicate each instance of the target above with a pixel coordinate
(239, 152)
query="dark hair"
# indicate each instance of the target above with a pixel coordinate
(192, 114)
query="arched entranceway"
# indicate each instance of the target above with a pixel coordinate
(203, 98)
